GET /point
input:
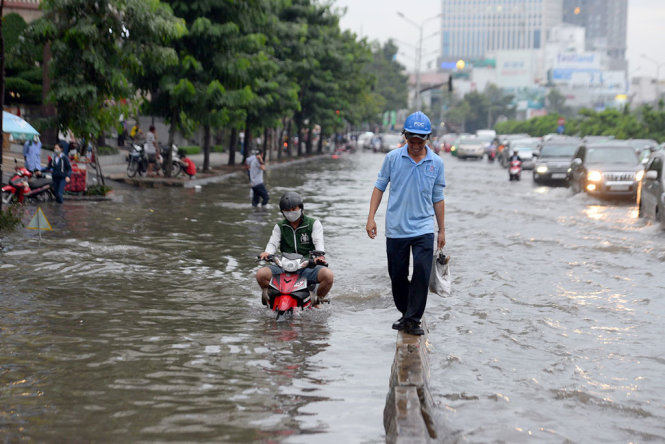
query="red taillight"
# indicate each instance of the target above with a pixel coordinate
(284, 303)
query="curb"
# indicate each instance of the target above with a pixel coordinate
(408, 415)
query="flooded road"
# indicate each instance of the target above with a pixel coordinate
(139, 319)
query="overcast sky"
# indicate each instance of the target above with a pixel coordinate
(378, 20)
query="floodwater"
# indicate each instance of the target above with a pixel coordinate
(138, 319)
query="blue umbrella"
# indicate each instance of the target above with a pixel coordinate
(17, 127)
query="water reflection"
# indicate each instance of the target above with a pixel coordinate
(139, 319)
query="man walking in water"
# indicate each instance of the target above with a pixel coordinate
(416, 180)
(256, 167)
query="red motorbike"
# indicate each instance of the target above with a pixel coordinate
(514, 169)
(23, 187)
(288, 291)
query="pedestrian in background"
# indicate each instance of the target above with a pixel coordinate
(61, 171)
(255, 166)
(151, 150)
(416, 180)
(32, 152)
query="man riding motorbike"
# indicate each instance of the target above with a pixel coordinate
(300, 234)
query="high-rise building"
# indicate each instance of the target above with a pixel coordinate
(474, 29)
(605, 22)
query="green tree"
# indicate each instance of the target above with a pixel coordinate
(96, 47)
(23, 80)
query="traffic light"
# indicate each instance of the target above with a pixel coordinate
(450, 83)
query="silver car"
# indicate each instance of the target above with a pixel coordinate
(470, 146)
(651, 194)
(527, 149)
(391, 142)
(608, 169)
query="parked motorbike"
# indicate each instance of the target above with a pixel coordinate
(177, 167)
(23, 186)
(289, 291)
(137, 161)
(515, 169)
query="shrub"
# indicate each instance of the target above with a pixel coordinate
(191, 149)
(218, 148)
(106, 150)
(98, 190)
(10, 218)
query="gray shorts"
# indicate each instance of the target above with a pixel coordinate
(308, 273)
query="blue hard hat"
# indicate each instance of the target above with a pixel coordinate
(418, 123)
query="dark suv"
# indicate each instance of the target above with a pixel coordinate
(554, 160)
(606, 169)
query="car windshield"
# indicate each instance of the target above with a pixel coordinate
(558, 150)
(468, 140)
(612, 155)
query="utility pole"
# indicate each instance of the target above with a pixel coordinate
(2, 89)
(658, 65)
(419, 50)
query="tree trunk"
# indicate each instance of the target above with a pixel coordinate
(233, 141)
(2, 88)
(247, 143)
(320, 143)
(308, 146)
(206, 148)
(169, 143)
(299, 137)
(266, 134)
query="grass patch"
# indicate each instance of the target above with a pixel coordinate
(191, 149)
(98, 190)
(106, 150)
(9, 218)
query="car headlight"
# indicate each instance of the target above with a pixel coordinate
(541, 169)
(594, 176)
(639, 175)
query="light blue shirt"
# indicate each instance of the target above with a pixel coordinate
(414, 189)
(255, 171)
(32, 152)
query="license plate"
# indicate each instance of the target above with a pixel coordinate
(558, 175)
(619, 187)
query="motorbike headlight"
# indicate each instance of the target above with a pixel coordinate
(639, 175)
(289, 265)
(541, 169)
(594, 176)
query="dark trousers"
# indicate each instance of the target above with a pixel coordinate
(58, 187)
(260, 192)
(410, 296)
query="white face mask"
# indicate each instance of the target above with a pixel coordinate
(292, 216)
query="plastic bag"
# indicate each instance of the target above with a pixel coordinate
(439, 278)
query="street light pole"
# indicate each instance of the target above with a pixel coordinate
(419, 50)
(658, 65)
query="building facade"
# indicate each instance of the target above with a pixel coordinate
(606, 26)
(28, 9)
(475, 29)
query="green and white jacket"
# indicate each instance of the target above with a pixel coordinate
(302, 240)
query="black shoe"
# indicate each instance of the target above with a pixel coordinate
(413, 328)
(399, 324)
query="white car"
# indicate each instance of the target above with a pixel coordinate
(526, 148)
(390, 142)
(365, 140)
(470, 146)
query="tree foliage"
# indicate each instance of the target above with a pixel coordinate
(646, 123)
(96, 47)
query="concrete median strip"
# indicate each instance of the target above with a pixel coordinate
(409, 415)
